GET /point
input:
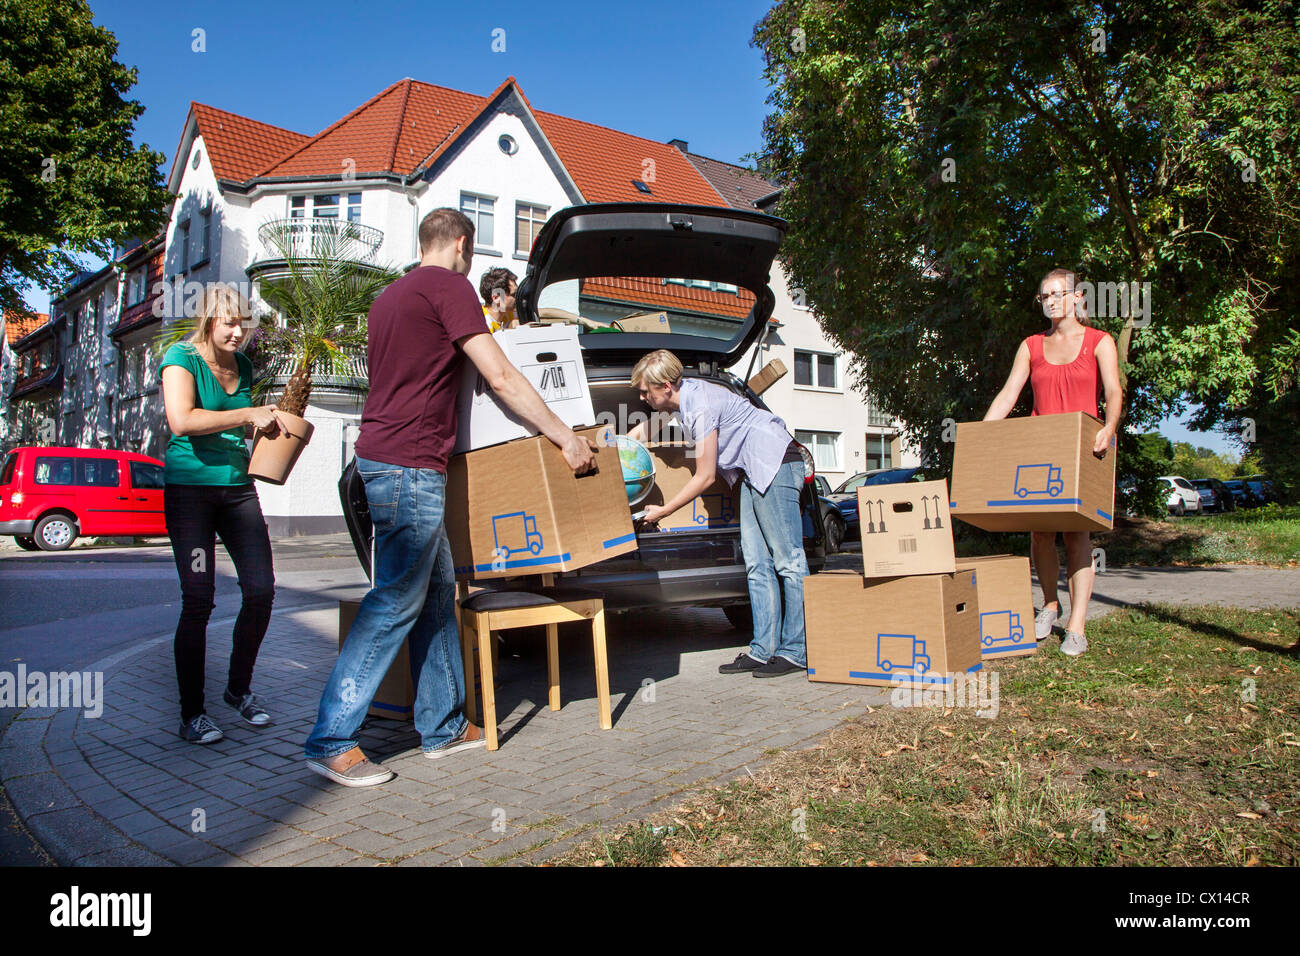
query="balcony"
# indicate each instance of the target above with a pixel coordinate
(349, 375)
(312, 238)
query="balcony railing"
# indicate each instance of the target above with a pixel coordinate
(350, 373)
(308, 237)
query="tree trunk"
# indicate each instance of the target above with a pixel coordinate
(297, 392)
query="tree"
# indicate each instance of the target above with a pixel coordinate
(937, 158)
(70, 179)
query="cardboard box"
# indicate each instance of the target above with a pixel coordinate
(911, 631)
(772, 372)
(905, 529)
(518, 508)
(644, 322)
(717, 507)
(1006, 605)
(1033, 474)
(395, 698)
(548, 356)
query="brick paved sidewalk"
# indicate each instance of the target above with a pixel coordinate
(123, 789)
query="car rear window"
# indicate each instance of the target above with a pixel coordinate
(53, 471)
(145, 475)
(7, 470)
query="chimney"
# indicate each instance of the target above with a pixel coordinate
(681, 145)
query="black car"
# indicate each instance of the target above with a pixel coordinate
(1214, 495)
(1262, 488)
(845, 497)
(641, 244)
(1243, 495)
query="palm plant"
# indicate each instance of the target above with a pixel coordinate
(322, 300)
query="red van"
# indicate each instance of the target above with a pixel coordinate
(49, 496)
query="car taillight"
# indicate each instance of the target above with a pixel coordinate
(809, 471)
(17, 498)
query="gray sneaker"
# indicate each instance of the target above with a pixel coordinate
(1043, 624)
(1074, 644)
(249, 707)
(362, 773)
(200, 730)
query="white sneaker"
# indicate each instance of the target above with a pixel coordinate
(1074, 644)
(1043, 624)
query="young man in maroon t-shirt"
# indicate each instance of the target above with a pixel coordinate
(421, 328)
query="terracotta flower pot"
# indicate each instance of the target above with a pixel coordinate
(274, 458)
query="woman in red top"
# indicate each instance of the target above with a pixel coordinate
(1067, 365)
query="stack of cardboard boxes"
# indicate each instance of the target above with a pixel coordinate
(918, 614)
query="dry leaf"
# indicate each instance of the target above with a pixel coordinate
(1150, 773)
(1253, 860)
(816, 847)
(887, 753)
(1249, 815)
(678, 859)
(1141, 820)
(1136, 795)
(918, 858)
(1135, 736)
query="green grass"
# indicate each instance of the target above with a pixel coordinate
(1266, 536)
(1152, 749)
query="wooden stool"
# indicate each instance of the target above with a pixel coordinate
(486, 611)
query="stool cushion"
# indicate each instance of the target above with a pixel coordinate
(507, 600)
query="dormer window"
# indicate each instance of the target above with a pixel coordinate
(641, 186)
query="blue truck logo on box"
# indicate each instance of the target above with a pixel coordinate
(515, 533)
(722, 504)
(1001, 627)
(901, 651)
(1038, 480)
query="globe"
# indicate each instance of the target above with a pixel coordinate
(638, 469)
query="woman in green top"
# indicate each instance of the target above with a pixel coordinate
(206, 392)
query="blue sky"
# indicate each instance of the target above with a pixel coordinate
(661, 69)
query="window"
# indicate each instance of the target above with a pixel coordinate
(480, 210)
(202, 238)
(135, 283)
(880, 452)
(875, 417)
(814, 370)
(97, 472)
(297, 207)
(825, 448)
(528, 223)
(184, 240)
(7, 472)
(705, 284)
(353, 213)
(53, 471)
(145, 475)
(325, 206)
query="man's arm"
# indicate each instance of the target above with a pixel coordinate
(522, 399)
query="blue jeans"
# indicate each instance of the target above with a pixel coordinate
(413, 594)
(771, 537)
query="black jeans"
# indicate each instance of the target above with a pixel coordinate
(195, 515)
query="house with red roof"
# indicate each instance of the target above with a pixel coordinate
(380, 168)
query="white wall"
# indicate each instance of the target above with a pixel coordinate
(842, 410)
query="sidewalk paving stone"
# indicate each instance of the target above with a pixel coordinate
(123, 788)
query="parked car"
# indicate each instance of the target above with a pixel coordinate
(1262, 488)
(1243, 494)
(634, 241)
(1214, 496)
(51, 496)
(1182, 497)
(845, 497)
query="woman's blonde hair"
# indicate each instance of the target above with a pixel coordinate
(1071, 280)
(660, 367)
(220, 301)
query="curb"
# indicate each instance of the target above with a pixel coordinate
(57, 819)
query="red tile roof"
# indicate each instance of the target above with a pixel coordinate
(656, 294)
(18, 326)
(238, 147)
(604, 162)
(399, 130)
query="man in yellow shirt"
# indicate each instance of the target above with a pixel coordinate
(497, 287)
